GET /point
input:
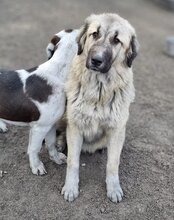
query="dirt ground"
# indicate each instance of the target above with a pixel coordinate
(147, 163)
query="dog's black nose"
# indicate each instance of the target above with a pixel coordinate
(97, 61)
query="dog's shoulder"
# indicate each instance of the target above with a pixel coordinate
(38, 88)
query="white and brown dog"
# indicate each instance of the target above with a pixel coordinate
(36, 97)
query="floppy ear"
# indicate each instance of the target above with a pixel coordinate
(132, 52)
(51, 47)
(82, 38)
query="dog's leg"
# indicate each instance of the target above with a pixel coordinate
(116, 140)
(3, 127)
(36, 137)
(50, 139)
(74, 141)
(61, 141)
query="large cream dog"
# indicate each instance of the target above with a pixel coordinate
(99, 92)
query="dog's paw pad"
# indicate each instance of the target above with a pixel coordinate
(115, 195)
(59, 158)
(39, 170)
(70, 194)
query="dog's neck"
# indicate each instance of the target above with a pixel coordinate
(100, 87)
(61, 60)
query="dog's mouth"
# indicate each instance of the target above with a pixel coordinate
(101, 70)
(93, 68)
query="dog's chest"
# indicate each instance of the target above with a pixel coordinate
(93, 109)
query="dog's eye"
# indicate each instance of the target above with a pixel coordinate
(116, 40)
(95, 35)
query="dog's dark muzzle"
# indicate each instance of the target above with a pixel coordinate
(100, 62)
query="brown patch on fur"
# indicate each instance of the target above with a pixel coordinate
(68, 30)
(37, 88)
(55, 40)
(14, 104)
(32, 69)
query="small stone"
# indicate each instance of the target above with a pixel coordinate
(83, 164)
(102, 210)
(5, 172)
(87, 212)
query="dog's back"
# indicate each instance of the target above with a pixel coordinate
(14, 105)
(21, 90)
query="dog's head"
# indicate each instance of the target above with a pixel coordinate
(64, 35)
(105, 39)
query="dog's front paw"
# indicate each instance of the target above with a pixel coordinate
(3, 127)
(115, 195)
(70, 193)
(39, 170)
(114, 190)
(58, 158)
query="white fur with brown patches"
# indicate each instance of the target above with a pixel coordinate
(54, 72)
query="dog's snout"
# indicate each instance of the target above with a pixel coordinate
(97, 61)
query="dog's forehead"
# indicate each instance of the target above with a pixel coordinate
(93, 26)
(110, 23)
(122, 29)
(109, 26)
